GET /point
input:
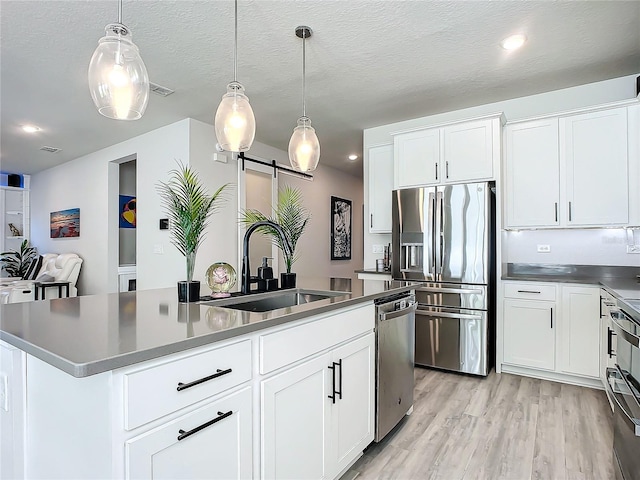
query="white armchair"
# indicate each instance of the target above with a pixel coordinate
(64, 267)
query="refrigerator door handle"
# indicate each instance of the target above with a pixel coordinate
(439, 240)
(430, 263)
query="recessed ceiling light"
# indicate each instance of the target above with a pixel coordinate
(513, 42)
(30, 128)
(353, 157)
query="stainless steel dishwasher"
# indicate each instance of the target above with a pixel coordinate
(395, 344)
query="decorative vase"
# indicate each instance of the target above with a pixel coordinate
(221, 277)
(188, 291)
(287, 280)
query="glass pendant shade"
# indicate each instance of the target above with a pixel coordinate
(118, 78)
(235, 123)
(304, 147)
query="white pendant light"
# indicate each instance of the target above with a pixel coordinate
(304, 147)
(234, 122)
(118, 79)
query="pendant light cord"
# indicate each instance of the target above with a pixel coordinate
(235, 45)
(304, 72)
(120, 12)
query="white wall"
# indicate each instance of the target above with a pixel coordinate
(315, 245)
(617, 89)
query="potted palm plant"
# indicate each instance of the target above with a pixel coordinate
(189, 207)
(17, 262)
(292, 217)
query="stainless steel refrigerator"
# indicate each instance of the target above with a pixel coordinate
(444, 236)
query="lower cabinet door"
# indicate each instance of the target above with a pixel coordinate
(581, 330)
(529, 333)
(212, 442)
(352, 416)
(295, 419)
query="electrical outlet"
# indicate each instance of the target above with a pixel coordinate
(633, 248)
(378, 249)
(544, 248)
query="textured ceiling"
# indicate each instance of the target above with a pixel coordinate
(369, 63)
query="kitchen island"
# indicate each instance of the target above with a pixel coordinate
(136, 385)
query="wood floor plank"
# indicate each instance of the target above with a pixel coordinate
(500, 427)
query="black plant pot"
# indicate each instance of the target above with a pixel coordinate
(287, 280)
(188, 291)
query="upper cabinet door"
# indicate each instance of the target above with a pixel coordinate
(532, 174)
(380, 188)
(593, 147)
(417, 158)
(468, 151)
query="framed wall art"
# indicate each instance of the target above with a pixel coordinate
(65, 223)
(340, 229)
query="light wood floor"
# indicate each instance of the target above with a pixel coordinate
(500, 427)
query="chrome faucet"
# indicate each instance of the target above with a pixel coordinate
(246, 269)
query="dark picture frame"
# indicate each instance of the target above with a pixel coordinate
(341, 220)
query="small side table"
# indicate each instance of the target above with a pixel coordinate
(44, 285)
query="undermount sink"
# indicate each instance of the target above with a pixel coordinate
(274, 300)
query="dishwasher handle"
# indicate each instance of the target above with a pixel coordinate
(398, 313)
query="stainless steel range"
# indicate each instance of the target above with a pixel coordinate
(445, 237)
(623, 386)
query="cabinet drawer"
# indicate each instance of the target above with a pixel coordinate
(530, 291)
(212, 442)
(292, 344)
(153, 392)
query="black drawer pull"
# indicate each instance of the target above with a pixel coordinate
(332, 367)
(527, 291)
(184, 434)
(219, 373)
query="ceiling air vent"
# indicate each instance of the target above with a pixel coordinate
(50, 149)
(160, 90)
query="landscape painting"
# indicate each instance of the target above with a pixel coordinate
(65, 223)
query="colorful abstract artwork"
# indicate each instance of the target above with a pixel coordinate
(65, 223)
(127, 211)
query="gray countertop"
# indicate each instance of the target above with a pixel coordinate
(96, 333)
(373, 270)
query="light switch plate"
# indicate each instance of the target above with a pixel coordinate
(544, 248)
(378, 249)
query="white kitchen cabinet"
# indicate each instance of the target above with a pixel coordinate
(213, 442)
(295, 411)
(454, 153)
(530, 333)
(417, 158)
(594, 151)
(580, 331)
(532, 174)
(352, 416)
(380, 164)
(469, 151)
(12, 411)
(569, 171)
(318, 416)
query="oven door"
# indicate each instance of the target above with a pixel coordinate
(626, 427)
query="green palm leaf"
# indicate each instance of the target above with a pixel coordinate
(189, 208)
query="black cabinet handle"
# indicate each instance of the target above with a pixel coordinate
(601, 307)
(551, 315)
(436, 170)
(610, 335)
(446, 169)
(184, 434)
(569, 211)
(332, 367)
(556, 204)
(339, 392)
(528, 291)
(371, 224)
(219, 373)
